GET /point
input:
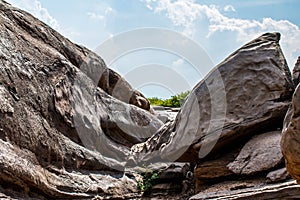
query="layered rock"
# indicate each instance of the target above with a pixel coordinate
(248, 93)
(256, 159)
(251, 191)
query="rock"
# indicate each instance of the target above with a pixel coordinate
(113, 84)
(158, 108)
(251, 191)
(296, 72)
(248, 93)
(20, 169)
(68, 129)
(79, 56)
(213, 171)
(173, 179)
(61, 136)
(173, 172)
(261, 153)
(6, 102)
(278, 175)
(166, 115)
(290, 137)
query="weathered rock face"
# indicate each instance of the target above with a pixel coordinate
(165, 114)
(60, 134)
(290, 137)
(112, 83)
(67, 129)
(278, 175)
(251, 191)
(261, 153)
(296, 72)
(248, 93)
(79, 56)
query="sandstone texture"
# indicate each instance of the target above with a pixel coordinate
(71, 128)
(246, 94)
(261, 153)
(290, 137)
(60, 135)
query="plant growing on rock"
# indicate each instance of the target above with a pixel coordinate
(148, 179)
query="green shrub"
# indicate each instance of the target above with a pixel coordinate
(155, 101)
(148, 180)
(174, 101)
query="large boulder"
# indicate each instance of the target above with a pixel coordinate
(290, 141)
(60, 134)
(260, 154)
(257, 157)
(88, 62)
(246, 94)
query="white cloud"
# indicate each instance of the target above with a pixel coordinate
(190, 15)
(96, 16)
(178, 62)
(149, 7)
(229, 8)
(148, 4)
(108, 10)
(101, 14)
(36, 9)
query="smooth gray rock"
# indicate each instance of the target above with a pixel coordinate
(248, 93)
(261, 153)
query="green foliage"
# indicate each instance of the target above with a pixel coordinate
(174, 101)
(183, 95)
(148, 180)
(155, 101)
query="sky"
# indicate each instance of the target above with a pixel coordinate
(219, 27)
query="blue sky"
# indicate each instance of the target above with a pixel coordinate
(218, 26)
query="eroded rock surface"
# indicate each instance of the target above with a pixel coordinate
(261, 153)
(67, 129)
(296, 72)
(278, 175)
(248, 93)
(290, 141)
(61, 135)
(251, 191)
